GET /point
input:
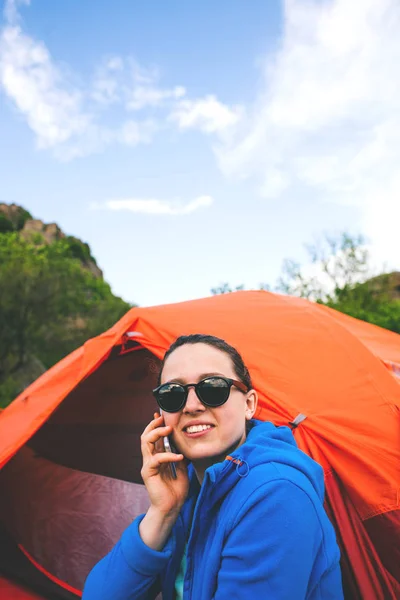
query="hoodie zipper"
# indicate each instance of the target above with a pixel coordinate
(189, 560)
(209, 479)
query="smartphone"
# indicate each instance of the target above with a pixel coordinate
(167, 448)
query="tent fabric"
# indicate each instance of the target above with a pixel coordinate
(19, 567)
(100, 424)
(304, 358)
(13, 591)
(364, 574)
(381, 342)
(73, 513)
(77, 528)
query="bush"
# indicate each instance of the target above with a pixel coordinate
(5, 224)
(49, 305)
(8, 391)
(78, 249)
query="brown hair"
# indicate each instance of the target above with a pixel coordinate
(239, 367)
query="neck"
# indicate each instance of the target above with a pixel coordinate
(201, 465)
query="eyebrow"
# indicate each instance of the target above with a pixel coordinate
(202, 376)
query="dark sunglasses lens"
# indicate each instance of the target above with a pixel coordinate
(171, 397)
(213, 391)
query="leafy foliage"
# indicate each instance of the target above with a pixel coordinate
(337, 263)
(49, 305)
(342, 280)
(78, 249)
(5, 224)
(13, 220)
(225, 288)
(8, 390)
(364, 302)
(339, 276)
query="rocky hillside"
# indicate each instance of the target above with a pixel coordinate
(16, 218)
(387, 283)
(53, 298)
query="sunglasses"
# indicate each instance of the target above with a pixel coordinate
(211, 391)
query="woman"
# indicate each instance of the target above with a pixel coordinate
(242, 518)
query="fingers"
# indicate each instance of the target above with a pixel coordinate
(156, 434)
(149, 440)
(154, 463)
(158, 421)
(164, 457)
(152, 434)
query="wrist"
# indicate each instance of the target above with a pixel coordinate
(163, 516)
(156, 527)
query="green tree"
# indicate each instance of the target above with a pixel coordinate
(367, 302)
(49, 304)
(339, 275)
(337, 263)
(78, 249)
(5, 224)
(225, 288)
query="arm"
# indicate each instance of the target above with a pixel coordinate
(271, 549)
(130, 571)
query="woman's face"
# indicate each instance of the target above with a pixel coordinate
(192, 363)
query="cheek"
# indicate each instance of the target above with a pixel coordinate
(232, 418)
(171, 419)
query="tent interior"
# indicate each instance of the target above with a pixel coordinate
(70, 491)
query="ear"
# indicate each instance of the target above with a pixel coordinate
(251, 404)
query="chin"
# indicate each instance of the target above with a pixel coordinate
(203, 454)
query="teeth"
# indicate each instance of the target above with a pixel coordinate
(197, 428)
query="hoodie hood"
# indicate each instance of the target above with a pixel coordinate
(265, 443)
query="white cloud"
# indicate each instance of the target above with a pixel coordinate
(63, 116)
(97, 138)
(38, 89)
(144, 90)
(56, 112)
(11, 13)
(106, 82)
(328, 116)
(143, 96)
(206, 114)
(155, 207)
(133, 133)
(124, 81)
(73, 120)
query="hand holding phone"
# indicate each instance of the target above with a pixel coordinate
(166, 479)
(167, 483)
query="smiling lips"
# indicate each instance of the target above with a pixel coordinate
(197, 430)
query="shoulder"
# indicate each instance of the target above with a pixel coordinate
(259, 478)
(279, 508)
(275, 491)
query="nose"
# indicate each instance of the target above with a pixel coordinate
(193, 404)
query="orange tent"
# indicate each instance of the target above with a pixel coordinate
(69, 444)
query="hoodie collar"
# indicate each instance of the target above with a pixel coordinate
(265, 443)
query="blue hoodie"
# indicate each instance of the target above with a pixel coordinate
(259, 530)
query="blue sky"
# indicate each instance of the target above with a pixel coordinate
(196, 143)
